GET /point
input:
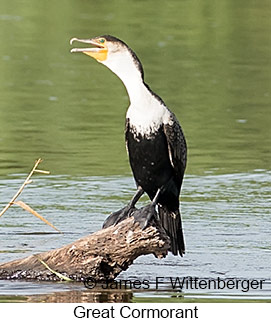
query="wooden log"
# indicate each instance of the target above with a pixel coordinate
(101, 255)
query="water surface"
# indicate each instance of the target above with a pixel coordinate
(226, 224)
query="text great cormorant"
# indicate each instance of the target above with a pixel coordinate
(154, 139)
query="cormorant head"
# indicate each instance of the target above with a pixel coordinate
(113, 53)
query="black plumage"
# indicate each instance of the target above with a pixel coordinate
(158, 161)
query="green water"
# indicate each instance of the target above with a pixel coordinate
(208, 60)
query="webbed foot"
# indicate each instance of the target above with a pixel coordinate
(144, 215)
(118, 216)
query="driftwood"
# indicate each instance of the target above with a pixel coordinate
(101, 255)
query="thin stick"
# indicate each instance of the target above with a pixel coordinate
(22, 187)
(42, 171)
(60, 276)
(29, 209)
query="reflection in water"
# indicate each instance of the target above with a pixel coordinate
(75, 296)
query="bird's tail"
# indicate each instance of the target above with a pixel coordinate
(172, 223)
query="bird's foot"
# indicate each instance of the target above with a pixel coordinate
(118, 216)
(144, 215)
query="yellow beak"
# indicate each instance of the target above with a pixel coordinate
(99, 52)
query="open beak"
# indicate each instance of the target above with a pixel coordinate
(99, 51)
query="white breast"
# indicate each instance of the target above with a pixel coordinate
(146, 118)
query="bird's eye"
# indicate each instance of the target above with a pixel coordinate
(102, 40)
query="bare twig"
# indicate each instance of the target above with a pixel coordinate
(22, 187)
(30, 210)
(42, 171)
(60, 276)
(21, 203)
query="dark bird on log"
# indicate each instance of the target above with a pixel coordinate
(155, 141)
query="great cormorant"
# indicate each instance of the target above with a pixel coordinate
(155, 141)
